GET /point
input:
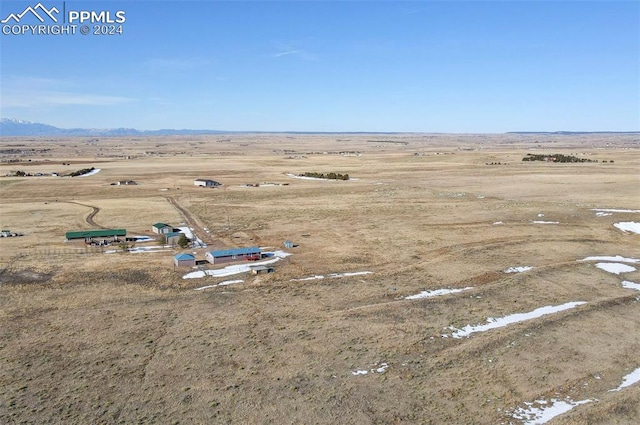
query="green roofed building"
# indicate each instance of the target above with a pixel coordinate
(102, 233)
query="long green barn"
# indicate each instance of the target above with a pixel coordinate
(102, 233)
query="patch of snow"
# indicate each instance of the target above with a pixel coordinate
(144, 239)
(543, 414)
(90, 173)
(230, 282)
(334, 275)
(383, 367)
(628, 226)
(519, 269)
(631, 285)
(617, 258)
(603, 214)
(225, 283)
(513, 318)
(111, 251)
(436, 293)
(139, 249)
(629, 379)
(545, 222)
(615, 268)
(188, 232)
(316, 277)
(540, 215)
(331, 276)
(205, 287)
(498, 222)
(612, 210)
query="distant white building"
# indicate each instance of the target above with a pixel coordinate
(206, 183)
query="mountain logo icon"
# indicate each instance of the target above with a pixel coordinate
(34, 11)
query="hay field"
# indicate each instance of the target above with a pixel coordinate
(90, 337)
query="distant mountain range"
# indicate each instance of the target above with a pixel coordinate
(14, 127)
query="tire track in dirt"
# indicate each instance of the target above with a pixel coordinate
(197, 230)
(92, 214)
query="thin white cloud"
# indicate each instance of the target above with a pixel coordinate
(32, 92)
(290, 52)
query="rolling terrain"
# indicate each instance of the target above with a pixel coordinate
(447, 281)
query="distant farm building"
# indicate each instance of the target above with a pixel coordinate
(161, 228)
(238, 254)
(288, 244)
(206, 183)
(184, 260)
(124, 183)
(91, 236)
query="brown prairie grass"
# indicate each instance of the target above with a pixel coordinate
(88, 337)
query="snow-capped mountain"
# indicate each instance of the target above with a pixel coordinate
(17, 127)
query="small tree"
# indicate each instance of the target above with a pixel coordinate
(183, 242)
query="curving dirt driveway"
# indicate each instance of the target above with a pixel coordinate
(92, 214)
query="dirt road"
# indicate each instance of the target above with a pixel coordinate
(92, 214)
(197, 229)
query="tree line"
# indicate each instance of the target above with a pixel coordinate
(330, 176)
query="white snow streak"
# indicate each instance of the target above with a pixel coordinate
(226, 282)
(331, 276)
(615, 268)
(436, 293)
(611, 210)
(517, 269)
(543, 414)
(545, 222)
(631, 285)
(513, 318)
(629, 379)
(617, 259)
(628, 226)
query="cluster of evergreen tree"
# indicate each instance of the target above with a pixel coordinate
(81, 172)
(330, 176)
(556, 157)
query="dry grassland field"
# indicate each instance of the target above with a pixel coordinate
(446, 282)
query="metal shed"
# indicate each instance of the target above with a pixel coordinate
(261, 269)
(184, 260)
(172, 238)
(206, 183)
(161, 228)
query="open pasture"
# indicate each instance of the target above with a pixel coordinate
(89, 337)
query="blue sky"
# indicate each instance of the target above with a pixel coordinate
(424, 66)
